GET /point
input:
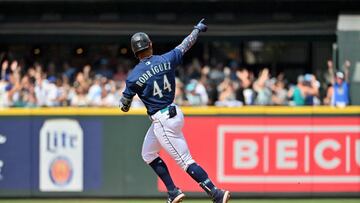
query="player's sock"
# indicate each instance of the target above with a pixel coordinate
(162, 171)
(200, 176)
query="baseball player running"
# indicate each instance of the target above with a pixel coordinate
(153, 80)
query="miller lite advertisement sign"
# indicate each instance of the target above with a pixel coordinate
(61, 156)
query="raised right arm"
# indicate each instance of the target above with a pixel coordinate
(190, 40)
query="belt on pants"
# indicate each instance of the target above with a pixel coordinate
(169, 111)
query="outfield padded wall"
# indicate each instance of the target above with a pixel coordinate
(40, 150)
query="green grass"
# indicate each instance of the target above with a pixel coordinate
(185, 201)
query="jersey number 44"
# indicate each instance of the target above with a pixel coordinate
(166, 87)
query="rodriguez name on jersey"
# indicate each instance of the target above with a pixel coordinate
(153, 71)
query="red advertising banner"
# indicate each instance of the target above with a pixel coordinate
(273, 154)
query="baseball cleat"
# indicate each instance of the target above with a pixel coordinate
(175, 196)
(221, 196)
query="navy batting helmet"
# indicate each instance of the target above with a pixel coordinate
(139, 42)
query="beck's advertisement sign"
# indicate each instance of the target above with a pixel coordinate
(274, 154)
(61, 156)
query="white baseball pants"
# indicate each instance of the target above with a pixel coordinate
(166, 133)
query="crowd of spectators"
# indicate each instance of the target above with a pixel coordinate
(46, 85)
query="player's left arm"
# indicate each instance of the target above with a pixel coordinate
(126, 98)
(190, 40)
(125, 103)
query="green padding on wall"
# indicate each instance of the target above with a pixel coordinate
(125, 173)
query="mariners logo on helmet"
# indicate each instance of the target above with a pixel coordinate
(139, 42)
